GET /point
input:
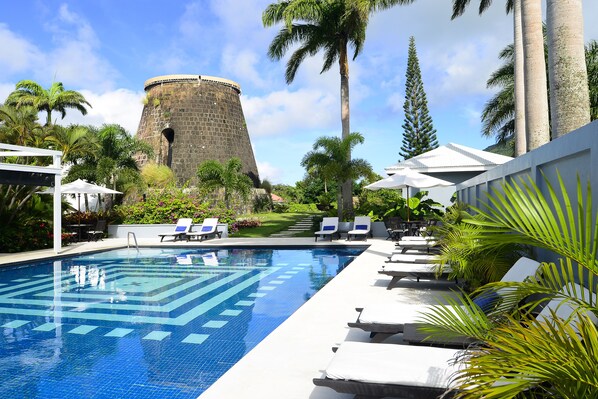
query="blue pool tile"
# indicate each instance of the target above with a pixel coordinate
(15, 324)
(157, 335)
(215, 324)
(119, 332)
(195, 339)
(244, 303)
(231, 312)
(46, 327)
(257, 295)
(82, 330)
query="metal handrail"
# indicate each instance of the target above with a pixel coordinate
(134, 238)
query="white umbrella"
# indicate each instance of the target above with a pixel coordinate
(81, 187)
(408, 178)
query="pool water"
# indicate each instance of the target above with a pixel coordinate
(162, 323)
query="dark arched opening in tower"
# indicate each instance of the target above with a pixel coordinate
(169, 136)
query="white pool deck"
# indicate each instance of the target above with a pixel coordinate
(284, 363)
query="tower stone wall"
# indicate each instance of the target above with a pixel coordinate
(188, 119)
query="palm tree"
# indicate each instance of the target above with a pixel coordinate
(19, 126)
(569, 97)
(76, 142)
(325, 25)
(55, 98)
(529, 61)
(330, 157)
(498, 113)
(214, 175)
(113, 164)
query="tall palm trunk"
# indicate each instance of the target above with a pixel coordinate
(568, 78)
(536, 101)
(347, 187)
(520, 136)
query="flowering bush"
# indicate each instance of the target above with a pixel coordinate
(170, 206)
(247, 223)
(31, 235)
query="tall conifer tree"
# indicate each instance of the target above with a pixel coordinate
(419, 134)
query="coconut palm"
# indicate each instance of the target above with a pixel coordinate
(498, 112)
(214, 175)
(518, 353)
(569, 97)
(518, 128)
(56, 98)
(330, 158)
(531, 70)
(330, 26)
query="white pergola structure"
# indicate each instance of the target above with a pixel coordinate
(12, 173)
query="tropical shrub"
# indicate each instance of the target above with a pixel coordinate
(168, 206)
(26, 236)
(519, 356)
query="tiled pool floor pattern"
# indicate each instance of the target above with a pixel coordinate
(163, 324)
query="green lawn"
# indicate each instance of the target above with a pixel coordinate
(274, 223)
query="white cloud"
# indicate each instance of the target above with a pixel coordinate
(269, 172)
(5, 90)
(120, 106)
(16, 53)
(76, 59)
(241, 64)
(283, 112)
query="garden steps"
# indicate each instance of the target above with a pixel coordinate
(302, 225)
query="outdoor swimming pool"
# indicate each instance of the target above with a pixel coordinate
(164, 323)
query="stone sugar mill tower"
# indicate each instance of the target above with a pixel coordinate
(188, 119)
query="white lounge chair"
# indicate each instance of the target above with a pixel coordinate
(399, 271)
(379, 370)
(329, 228)
(183, 226)
(361, 227)
(412, 258)
(208, 227)
(391, 318)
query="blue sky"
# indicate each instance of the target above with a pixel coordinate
(106, 49)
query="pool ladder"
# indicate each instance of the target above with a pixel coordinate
(129, 234)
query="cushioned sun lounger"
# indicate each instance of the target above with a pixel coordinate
(329, 228)
(380, 370)
(183, 226)
(411, 258)
(376, 370)
(390, 319)
(399, 271)
(361, 227)
(208, 227)
(419, 245)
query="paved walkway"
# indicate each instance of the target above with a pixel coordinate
(284, 363)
